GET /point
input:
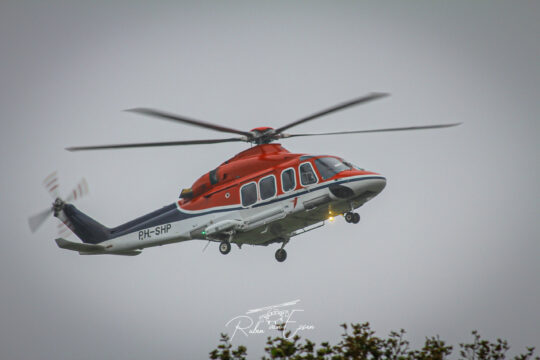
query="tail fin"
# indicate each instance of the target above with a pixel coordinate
(87, 229)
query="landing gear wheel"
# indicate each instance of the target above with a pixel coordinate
(349, 217)
(356, 218)
(281, 255)
(224, 247)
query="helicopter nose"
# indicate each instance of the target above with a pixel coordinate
(379, 184)
(361, 189)
(374, 185)
(368, 188)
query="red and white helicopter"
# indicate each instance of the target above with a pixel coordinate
(261, 196)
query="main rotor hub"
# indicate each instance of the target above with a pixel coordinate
(261, 129)
(262, 135)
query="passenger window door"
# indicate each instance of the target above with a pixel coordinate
(307, 175)
(267, 187)
(248, 194)
(288, 179)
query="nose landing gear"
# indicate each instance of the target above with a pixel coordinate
(225, 247)
(351, 217)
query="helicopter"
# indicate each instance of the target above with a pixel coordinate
(263, 195)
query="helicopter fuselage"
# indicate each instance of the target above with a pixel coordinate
(261, 196)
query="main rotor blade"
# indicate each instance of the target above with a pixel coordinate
(185, 120)
(154, 144)
(37, 220)
(354, 102)
(374, 130)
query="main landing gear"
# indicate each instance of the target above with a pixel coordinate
(281, 254)
(225, 247)
(351, 217)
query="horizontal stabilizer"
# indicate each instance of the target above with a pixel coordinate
(127, 253)
(64, 244)
(124, 253)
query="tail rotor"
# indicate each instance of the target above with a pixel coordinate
(51, 184)
(38, 219)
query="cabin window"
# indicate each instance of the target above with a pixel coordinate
(307, 175)
(248, 194)
(329, 166)
(267, 187)
(288, 181)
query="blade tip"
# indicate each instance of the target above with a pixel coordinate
(140, 110)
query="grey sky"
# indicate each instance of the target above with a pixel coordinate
(451, 245)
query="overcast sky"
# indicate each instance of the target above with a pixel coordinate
(451, 245)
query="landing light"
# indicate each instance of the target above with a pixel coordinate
(331, 219)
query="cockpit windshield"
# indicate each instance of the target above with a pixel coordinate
(329, 166)
(352, 166)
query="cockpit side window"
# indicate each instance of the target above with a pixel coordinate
(214, 177)
(352, 166)
(288, 180)
(307, 175)
(329, 166)
(267, 187)
(248, 194)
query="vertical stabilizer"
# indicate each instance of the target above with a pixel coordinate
(87, 229)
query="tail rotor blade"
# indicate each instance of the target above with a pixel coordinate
(37, 220)
(79, 191)
(51, 184)
(64, 230)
